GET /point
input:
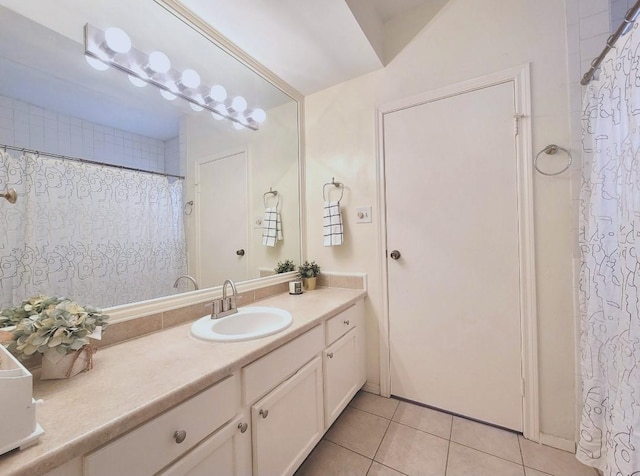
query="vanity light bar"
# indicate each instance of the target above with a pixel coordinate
(113, 48)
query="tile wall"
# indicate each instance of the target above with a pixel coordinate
(619, 9)
(25, 125)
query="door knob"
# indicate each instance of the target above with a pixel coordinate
(395, 254)
(240, 252)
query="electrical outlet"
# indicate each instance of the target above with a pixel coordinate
(363, 214)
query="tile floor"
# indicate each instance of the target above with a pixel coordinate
(377, 436)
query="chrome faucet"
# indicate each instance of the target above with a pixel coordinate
(186, 276)
(226, 305)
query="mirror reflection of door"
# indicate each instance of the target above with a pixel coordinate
(222, 217)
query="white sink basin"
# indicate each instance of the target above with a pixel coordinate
(248, 323)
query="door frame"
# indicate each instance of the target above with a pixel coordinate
(520, 76)
(197, 205)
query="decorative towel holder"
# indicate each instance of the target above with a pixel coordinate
(333, 182)
(265, 196)
(552, 149)
(188, 207)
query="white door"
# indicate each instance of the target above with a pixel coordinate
(222, 224)
(454, 295)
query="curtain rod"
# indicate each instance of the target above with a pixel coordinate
(628, 21)
(86, 161)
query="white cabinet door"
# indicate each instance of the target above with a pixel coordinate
(288, 422)
(342, 375)
(225, 453)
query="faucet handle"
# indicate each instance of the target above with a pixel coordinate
(216, 307)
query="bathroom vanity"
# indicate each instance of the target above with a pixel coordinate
(167, 403)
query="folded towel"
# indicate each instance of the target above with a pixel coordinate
(271, 227)
(332, 224)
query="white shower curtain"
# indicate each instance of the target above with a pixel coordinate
(99, 235)
(610, 271)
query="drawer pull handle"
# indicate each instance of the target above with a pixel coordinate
(242, 427)
(264, 413)
(346, 323)
(179, 436)
(330, 355)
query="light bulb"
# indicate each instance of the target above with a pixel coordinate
(137, 81)
(190, 78)
(221, 109)
(159, 62)
(173, 87)
(217, 117)
(218, 93)
(258, 115)
(195, 107)
(238, 104)
(117, 40)
(167, 95)
(96, 63)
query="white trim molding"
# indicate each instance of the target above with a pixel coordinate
(520, 77)
(559, 443)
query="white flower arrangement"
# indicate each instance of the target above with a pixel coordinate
(43, 323)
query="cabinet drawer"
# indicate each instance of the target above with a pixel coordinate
(339, 325)
(262, 375)
(152, 446)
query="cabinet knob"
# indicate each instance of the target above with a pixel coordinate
(179, 436)
(264, 413)
(242, 427)
(346, 323)
(395, 254)
(240, 252)
(330, 355)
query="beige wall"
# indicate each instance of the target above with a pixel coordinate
(466, 39)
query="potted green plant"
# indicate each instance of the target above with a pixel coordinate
(59, 329)
(285, 266)
(309, 271)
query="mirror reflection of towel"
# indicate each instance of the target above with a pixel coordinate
(271, 227)
(332, 224)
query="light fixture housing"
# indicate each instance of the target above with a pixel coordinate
(113, 48)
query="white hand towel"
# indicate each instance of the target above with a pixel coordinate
(271, 227)
(332, 224)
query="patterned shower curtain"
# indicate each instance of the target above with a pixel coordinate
(99, 235)
(610, 271)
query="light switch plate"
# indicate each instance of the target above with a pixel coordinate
(363, 214)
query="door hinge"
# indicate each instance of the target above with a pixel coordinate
(516, 123)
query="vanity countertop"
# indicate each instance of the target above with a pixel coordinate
(136, 380)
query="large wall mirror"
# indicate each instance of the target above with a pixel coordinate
(121, 189)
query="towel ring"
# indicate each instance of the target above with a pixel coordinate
(188, 207)
(551, 150)
(335, 184)
(265, 197)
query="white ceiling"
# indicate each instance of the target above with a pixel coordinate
(389, 9)
(311, 44)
